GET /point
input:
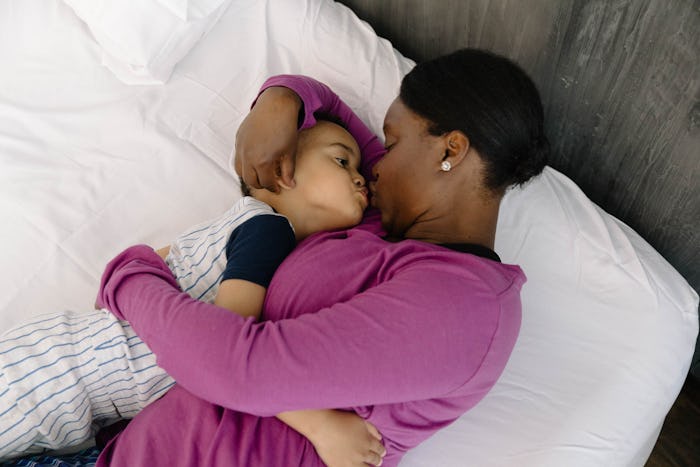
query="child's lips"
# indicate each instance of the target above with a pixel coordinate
(364, 193)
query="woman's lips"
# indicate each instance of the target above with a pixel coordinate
(373, 191)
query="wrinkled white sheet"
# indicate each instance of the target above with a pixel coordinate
(89, 165)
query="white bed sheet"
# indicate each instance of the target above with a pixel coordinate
(89, 165)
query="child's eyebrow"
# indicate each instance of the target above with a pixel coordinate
(343, 146)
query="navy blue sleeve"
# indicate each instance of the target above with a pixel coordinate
(257, 247)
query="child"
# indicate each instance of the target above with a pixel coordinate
(61, 374)
(263, 228)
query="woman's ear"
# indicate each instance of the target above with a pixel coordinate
(456, 147)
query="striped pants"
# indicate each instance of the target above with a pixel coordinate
(65, 375)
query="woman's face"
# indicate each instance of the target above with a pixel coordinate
(403, 177)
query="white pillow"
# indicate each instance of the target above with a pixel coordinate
(143, 40)
(210, 92)
(186, 9)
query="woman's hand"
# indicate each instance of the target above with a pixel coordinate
(134, 261)
(347, 440)
(267, 139)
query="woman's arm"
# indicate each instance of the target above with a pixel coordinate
(382, 346)
(260, 159)
(340, 438)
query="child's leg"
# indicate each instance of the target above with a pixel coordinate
(64, 375)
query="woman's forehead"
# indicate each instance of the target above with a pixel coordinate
(393, 113)
(400, 118)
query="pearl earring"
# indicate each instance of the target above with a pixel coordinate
(446, 166)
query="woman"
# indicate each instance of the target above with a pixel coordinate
(408, 326)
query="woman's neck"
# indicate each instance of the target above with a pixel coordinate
(463, 221)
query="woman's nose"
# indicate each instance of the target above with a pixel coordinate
(375, 173)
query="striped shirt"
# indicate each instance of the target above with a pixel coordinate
(198, 258)
(64, 375)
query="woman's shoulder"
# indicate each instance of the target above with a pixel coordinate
(460, 270)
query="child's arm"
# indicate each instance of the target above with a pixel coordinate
(242, 297)
(341, 439)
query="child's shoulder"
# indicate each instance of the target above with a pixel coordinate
(249, 205)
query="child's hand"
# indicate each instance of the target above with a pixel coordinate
(347, 440)
(163, 252)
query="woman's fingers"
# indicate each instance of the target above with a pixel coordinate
(257, 171)
(267, 169)
(266, 174)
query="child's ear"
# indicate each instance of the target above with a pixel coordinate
(283, 185)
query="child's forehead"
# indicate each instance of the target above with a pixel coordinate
(325, 127)
(331, 135)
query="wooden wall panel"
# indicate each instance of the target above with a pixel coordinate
(621, 87)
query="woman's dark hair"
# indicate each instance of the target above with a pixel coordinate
(492, 101)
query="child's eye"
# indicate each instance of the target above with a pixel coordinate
(387, 147)
(342, 162)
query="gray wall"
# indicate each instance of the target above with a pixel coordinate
(621, 88)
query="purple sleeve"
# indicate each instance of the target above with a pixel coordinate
(317, 97)
(316, 360)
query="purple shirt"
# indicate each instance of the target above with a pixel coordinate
(409, 335)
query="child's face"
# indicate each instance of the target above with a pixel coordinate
(327, 179)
